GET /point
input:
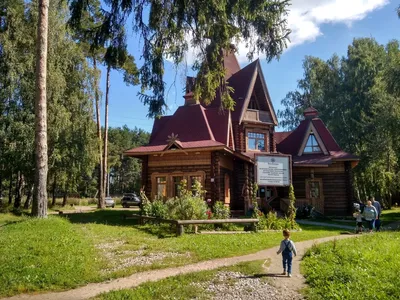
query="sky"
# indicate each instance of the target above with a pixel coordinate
(320, 28)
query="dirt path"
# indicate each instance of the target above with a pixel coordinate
(93, 289)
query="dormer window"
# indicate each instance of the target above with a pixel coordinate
(253, 103)
(312, 145)
(255, 141)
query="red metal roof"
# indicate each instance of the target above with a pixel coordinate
(188, 122)
(185, 145)
(291, 142)
(280, 136)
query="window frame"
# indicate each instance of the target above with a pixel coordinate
(313, 139)
(257, 138)
(170, 187)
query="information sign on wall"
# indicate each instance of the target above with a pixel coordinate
(273, 170)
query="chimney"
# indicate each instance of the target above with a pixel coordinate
(189, 96)
(310, 113)
(189, 99)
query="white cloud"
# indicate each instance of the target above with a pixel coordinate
(306, 17)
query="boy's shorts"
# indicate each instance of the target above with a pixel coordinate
(359, 224)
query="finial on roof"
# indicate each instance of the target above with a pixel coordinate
(172, 138)
(310, 113)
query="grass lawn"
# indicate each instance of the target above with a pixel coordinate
(363, 268)
(182, 287)
(391, 215)
(65, 252)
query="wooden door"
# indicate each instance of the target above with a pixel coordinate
(315, 194)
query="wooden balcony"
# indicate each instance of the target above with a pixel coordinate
(257, 116)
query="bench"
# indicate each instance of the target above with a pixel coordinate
(181, 223)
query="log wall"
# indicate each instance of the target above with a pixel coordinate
(336, 187)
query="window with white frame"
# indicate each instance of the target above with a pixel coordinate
(312, 145)
(255, 141)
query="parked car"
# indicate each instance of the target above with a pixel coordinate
(130, 199)
(109, 202)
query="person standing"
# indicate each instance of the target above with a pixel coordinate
(378, 208)
(287, 248)
(370, 215)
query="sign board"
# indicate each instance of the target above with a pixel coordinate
(273, 170)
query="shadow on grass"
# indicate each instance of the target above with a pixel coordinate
(107, 217)
(117, 217)
(255, 276)
(391, 216)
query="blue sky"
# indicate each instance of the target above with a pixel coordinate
(320, 28)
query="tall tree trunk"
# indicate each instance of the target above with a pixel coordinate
(39, 207)
(28, 197)
(1, 189)
(19, 186)
(65, 197)
(53, 202)
(105, 148)
(10, 189)
(100, 185)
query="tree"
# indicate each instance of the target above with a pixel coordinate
(70, 93)
(212, 25)
(83, 27)
(125, 172)
(357, 96)
(113, 39)
(39, 208)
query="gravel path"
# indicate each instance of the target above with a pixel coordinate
(280, 287)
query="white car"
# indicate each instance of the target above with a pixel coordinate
(109, 202)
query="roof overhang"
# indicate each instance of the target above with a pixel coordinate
(176, 151)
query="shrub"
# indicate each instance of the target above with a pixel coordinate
(220, 211)
(292, 209)
(272, 222)
(157, 209)
(189, 205)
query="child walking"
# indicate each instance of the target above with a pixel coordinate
(359, 224)
(287, 248)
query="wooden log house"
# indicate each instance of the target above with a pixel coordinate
(219, 149)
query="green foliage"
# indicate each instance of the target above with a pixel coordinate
(272, 222)
(357, 97)
(71, 138)
(125, 171)
(220, 211)
(339, 270)
(292, 208)
(211, 25)
(190, 204)
(157, 208)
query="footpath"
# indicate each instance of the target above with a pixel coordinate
(295, 283)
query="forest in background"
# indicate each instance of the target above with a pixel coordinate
(358, 98)
(72, 142)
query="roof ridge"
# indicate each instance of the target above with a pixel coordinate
(203, 111)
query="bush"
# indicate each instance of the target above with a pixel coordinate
(157, 209)
(272, 222)
(190, 205)
(220, 211)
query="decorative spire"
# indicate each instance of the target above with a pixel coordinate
(310, 113)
